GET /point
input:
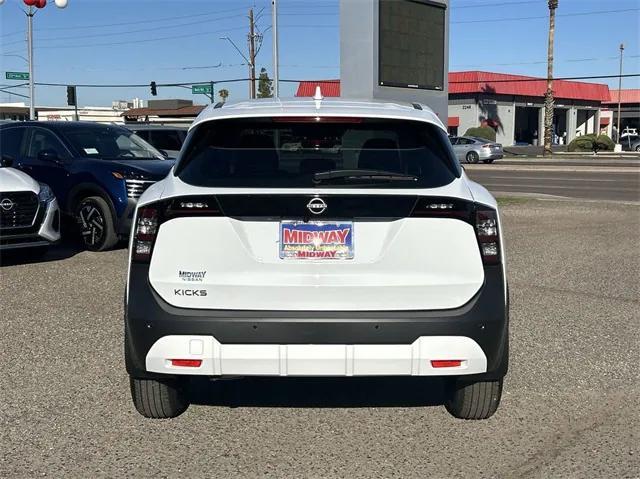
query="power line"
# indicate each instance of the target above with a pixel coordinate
(594, 77)
(499, 4)
(206, 82)
(454, 7)
(137, 22)
(145, 40)
(173, 37)
(110, 34)
(541, 62)
(583, 14)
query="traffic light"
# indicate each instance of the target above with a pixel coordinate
(154, 90)
(71, 95)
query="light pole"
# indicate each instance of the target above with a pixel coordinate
(276, 66)
(619, 92)
(33, 7)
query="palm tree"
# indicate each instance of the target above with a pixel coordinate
(548, 97)
(224, 94)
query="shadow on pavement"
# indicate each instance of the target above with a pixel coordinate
(69, 246)
(319, 392)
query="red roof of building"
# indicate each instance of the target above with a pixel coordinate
(506, 84)
(328, 88)
(626, 96)
(498, 84)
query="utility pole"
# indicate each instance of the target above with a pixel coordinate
(619, 92)
(276, 73)
(32, 93)
(252, 57)
(548, 97)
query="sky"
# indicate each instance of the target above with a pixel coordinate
(136, 42)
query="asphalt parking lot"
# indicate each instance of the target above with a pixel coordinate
(569, 407)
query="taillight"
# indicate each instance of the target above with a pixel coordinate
(442, 207)
(487, 145)
(150, 217)
(145, 233)
(193, 206)
(488, 236)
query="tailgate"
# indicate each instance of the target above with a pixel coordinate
(404, 264)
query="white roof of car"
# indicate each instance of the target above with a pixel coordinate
(340, 107)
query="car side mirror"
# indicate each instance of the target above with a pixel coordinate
(6, 161)
(49, 155)
(164, 153)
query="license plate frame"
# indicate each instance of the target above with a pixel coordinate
(316, 240)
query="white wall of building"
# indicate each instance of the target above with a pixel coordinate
(95, 114)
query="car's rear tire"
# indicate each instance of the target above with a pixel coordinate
(95, 222)
(472, 157)
(159, 398)
(473, 400)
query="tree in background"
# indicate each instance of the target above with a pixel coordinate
(224, 94)
(548, 97)
(265, 84)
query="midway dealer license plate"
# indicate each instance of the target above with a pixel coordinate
(317, 240)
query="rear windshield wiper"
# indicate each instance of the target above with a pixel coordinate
(359, 175)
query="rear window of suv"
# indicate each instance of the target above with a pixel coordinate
(301, 152)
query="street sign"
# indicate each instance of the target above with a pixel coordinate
(17, 76)
(204, 89)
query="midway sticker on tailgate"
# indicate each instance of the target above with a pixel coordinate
(300, 240)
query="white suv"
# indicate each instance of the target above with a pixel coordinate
(317, 238)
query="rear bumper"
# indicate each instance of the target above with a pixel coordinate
(420, 358)
(490, 155)
(149, 319)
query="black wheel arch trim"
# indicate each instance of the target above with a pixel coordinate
(84, 190)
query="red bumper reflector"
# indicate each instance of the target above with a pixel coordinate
(186, 363)
(446, 363)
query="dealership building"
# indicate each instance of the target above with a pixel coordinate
(629, 108)
(513, 105)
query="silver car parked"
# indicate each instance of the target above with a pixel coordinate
(472, 150)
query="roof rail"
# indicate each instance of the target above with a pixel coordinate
(219, 104)
(417, 106)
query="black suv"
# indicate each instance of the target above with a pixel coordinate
(97, 172)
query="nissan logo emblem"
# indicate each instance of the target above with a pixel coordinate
(317, 206)
(6, 204)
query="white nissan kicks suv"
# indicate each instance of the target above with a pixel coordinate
(316, 238)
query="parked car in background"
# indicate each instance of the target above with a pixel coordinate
(472, 150)
(630, 142)
(29, 213)
(97, 172)
(366, 251)
(165, 138)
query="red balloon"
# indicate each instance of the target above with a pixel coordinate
(41, 3)
(30, 3)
